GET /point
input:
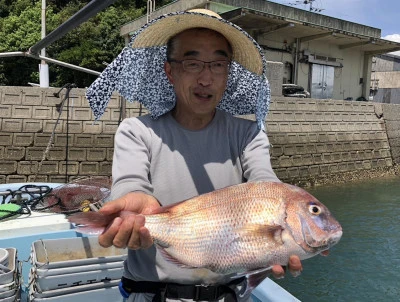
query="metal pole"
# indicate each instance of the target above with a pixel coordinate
(43, 51)
(43, 67)
(296, 61)
(151, 7)
(26, 54)
(89, 10)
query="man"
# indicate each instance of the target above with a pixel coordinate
(191, 149)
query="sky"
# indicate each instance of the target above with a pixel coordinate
(382, 14)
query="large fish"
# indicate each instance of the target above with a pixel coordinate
(238, 229)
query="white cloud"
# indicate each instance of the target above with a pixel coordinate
(394, 38)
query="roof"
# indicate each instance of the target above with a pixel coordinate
(263, 17)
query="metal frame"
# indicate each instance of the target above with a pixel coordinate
(88, 11)
(50, 60)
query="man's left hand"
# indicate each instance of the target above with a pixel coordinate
(294, 267)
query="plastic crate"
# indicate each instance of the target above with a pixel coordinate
(69, 252)
(11, 262)
(75, 279)
(7, 287)
(40, 273)
(102, 294)
(101, 291)
(12, 298)
(3, 257)
(7, 294)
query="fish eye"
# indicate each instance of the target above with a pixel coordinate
(314, 209)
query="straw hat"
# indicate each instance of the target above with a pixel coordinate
(137, 73)
(160, 30)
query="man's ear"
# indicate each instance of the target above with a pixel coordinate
(168, 71)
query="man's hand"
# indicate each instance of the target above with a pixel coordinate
(129, 231)
(294, 267)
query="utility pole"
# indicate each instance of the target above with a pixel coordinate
(309, 2)
(43, 67)
(151, 7)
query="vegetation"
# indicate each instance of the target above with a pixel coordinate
(90, 45)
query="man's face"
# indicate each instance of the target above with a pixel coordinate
(198, 93)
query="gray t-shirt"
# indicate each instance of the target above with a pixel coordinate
(162, 158)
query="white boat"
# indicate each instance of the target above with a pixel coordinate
(54, 263)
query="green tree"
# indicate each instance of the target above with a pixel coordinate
(90, 45)
(19, 32)
(93, 43)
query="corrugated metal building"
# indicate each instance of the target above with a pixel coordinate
(385, 79)
(331, 58)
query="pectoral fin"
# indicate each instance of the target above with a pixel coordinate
(272, 233)
(168, 256)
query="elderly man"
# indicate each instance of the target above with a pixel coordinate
(190, 143)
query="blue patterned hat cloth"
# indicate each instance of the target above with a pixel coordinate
(138, 71)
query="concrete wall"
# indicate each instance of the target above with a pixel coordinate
(311, 138)
(388, 79)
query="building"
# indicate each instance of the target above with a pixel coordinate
(331, 58)
(385, 79)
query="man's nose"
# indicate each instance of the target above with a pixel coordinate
(205, 77)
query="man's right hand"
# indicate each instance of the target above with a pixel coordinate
(129, 231)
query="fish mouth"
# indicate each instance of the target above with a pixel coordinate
(331, 238)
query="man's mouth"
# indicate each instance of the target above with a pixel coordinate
(203, 95)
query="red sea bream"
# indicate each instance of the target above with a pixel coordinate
(239, 229)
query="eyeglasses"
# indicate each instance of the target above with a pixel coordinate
(197, 66)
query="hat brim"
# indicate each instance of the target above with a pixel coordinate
(157, 33)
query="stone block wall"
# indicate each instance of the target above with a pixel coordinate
(29, 151)
(310, 138)
(392, 120)
(314, 138)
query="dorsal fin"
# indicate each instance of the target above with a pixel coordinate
(236, 193)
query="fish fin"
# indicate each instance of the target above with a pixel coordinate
(253, 280)
(273, 232)
(97, 219)
(168, 257)
(89, 230)
(161, 244)
(251, 272)
(253, 277)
